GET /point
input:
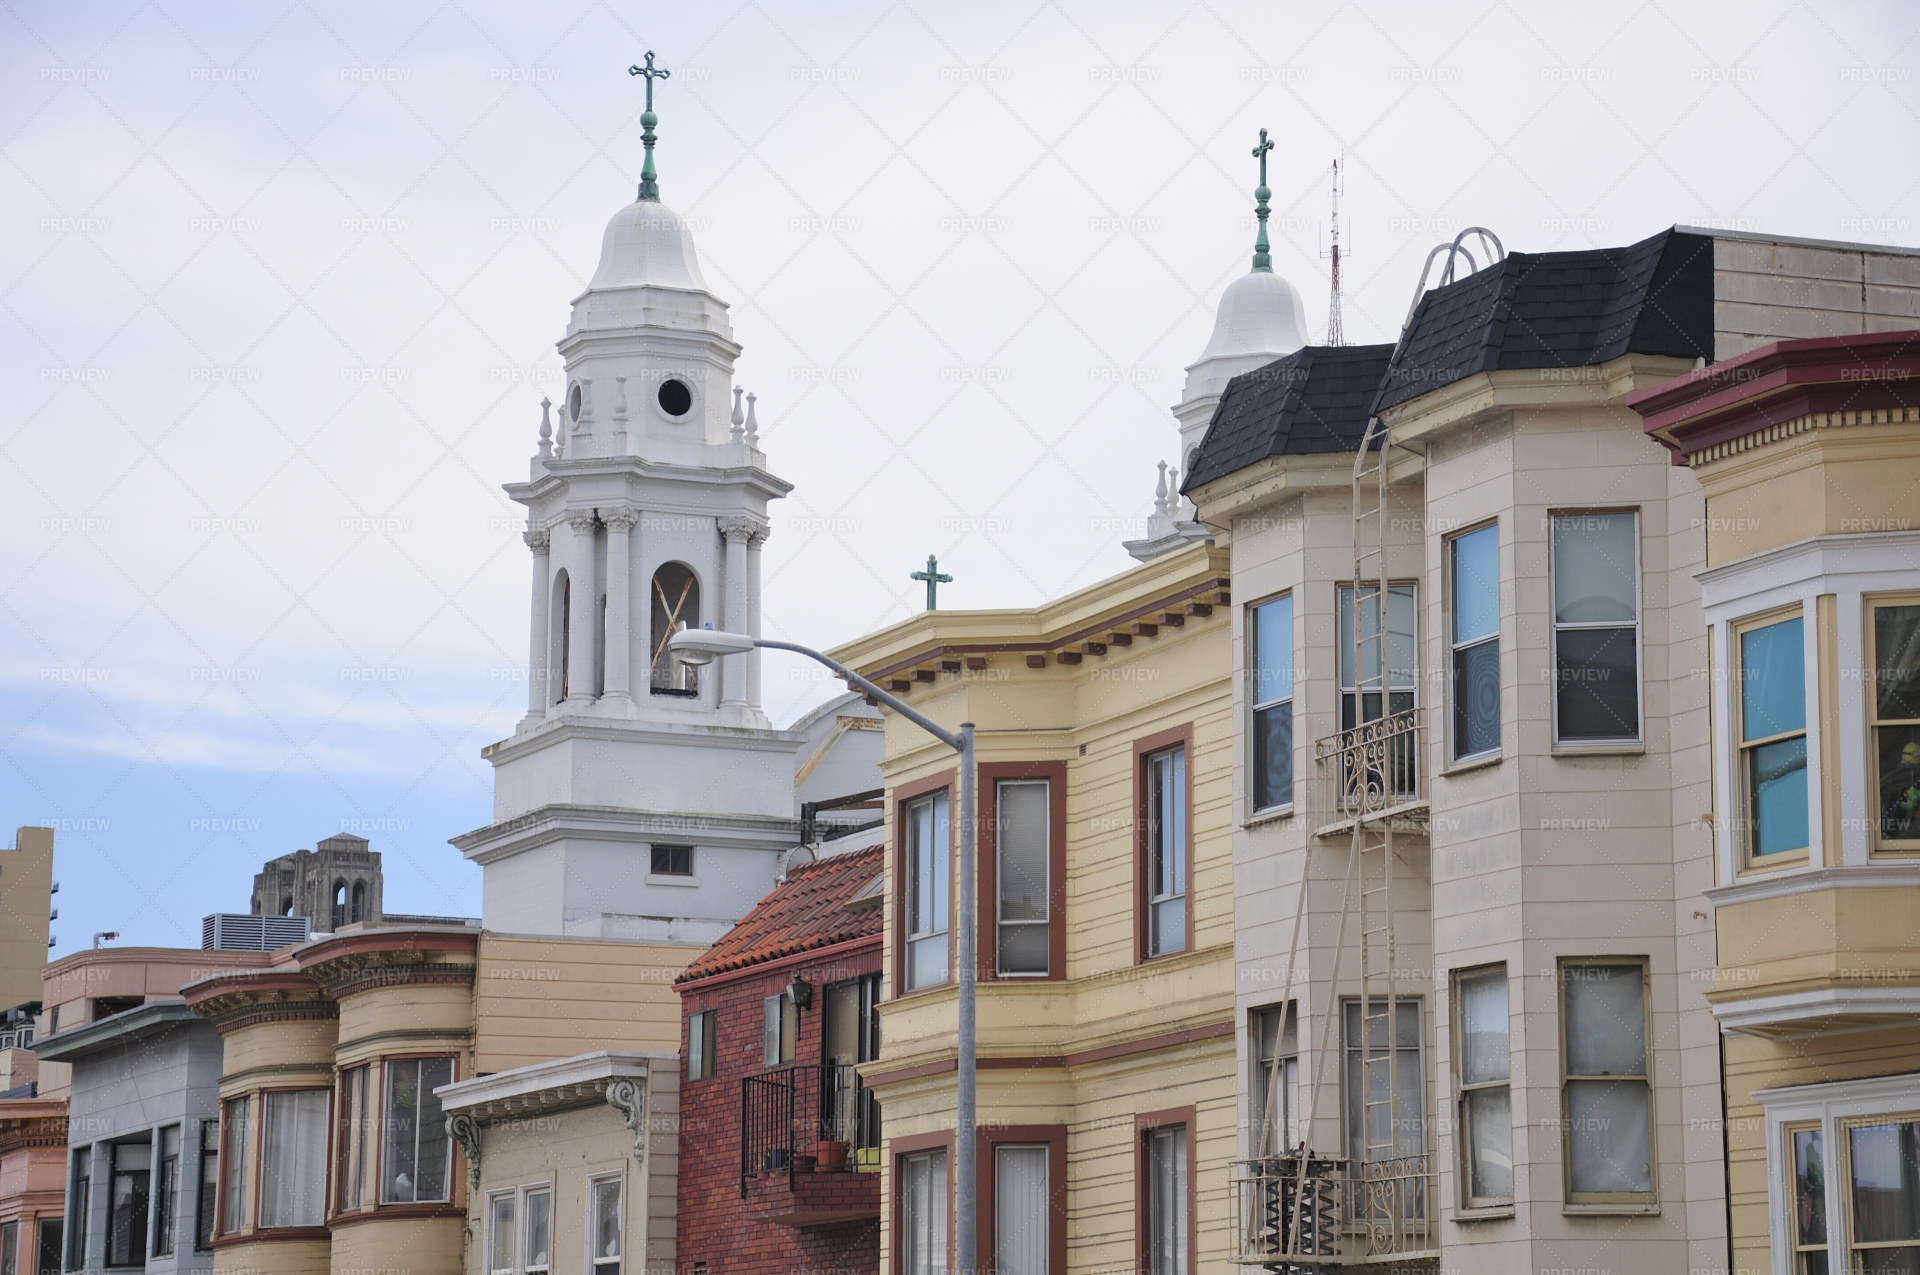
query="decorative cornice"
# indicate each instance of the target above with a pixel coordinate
(739, 530)
(581, 520)
(622, 519)
(539, 541)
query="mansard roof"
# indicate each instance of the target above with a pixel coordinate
(1316, 399)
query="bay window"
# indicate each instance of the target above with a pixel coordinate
(1399, 673)
(1807, 1187)
(1473, 581)
(166, 1191)
(1368, 1113)
(206, 1208)
(1606, 1100)
(417, 1167)
(1022, 824)
(293, 1164)
(1167, 851)
(1893, 715)
(539, 1231)
(132, 1164)
(1482, 1074)
(1270, 676)
(356, 1134)
(500, 1237)
(922, 1208)
(1772, 732)
(928, 880)
(1021, 1201)
(1166, 1234)
(235, 1130)
(1595, 566)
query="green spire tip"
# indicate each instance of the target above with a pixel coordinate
(649, 184)
(1262, 259)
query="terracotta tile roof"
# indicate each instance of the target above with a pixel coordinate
(808, 910)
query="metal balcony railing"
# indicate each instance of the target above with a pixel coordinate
(786, 1113)
(1371, 770)
(1302, 1213)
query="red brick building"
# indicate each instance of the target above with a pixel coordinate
(779, 1159)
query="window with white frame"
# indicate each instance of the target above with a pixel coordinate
(1596, 626)
(1473, 579)
(1893, 716)
(539, 1230)
(1166, 831)
(1844, 1175)
(923, 1213)
(1606, 1100)
(1770, 668)
(1482, 1076)
(1270, 675)
(500, 1234)
(1883, 1193)
(1807, 1198)
(1274, 1088)
(603, 1225)
(928, 881)
(1022, 818)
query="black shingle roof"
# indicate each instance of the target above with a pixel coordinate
(1560, 309)
(1313, 400)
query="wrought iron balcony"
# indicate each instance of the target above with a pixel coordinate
(787, 1113)
(1302, 1213)
(1371, 772)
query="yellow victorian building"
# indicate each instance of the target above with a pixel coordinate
(1105, 912)
(1808, 453)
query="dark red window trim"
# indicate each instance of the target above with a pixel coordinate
(1055, 1138)
(898, 800)
(1143, 1124)
(1143, 748)
(991, 774)
(898, 1149)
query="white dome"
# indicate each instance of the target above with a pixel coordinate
(647, 245)
(1260, 313)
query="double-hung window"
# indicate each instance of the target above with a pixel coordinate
(166, 1191)
(603, 1226)
(1167, 851)
(923, 1213)
(1379, 1128)
(127, 1203)
(1271, 676)
(1596, 627)
(10, 1249)
(1807, 1199)
(419, 1152)
(1482, 1074)
(1606, 1102)
(236, 1130)
(293, 1166)
(1164, 1157)
(356, 1134)
(539, 1231)
(1883, 1193)
(1275, 1089)
(1473, 579)
(779, 1029)
(1398, 674)
(500, 1234)
(1022, 1209)
(81, 1198)
(928, 881)
(1893, 715)
(206, 1207)
(1772, 734)
(1021, 838)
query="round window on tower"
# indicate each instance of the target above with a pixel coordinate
(675, 398)
(573, 404)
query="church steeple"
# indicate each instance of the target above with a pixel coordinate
(649, 183)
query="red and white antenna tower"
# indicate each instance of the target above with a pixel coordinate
(1336, 335)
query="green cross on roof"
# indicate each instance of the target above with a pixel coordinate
(933, 578)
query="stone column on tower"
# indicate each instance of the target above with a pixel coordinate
(758, 538)
(620, 523)
(733, 675)
(538, 645)
(582, 607)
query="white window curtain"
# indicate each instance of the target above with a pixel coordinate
(1167, 1201)
(923, 1213)
(1021, 836)
(1606, 1103)
(1020, 1203)
(294, 1182)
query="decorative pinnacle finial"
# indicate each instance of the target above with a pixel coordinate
(649, 185)
(752, 437)
(739, 417)
(1262, 259)
(546, 429)
(1160, 491)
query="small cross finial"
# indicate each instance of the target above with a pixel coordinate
(649, 183)
(1262, 259)
(933, 578)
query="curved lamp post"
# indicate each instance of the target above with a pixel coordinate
(702, 646)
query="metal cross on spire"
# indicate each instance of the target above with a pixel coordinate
(1262, 259)
(933, 578)
(649, 185)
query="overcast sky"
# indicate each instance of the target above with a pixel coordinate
(281, 287)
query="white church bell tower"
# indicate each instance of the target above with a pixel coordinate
(646, 513)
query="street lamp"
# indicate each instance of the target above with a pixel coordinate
(702, 646)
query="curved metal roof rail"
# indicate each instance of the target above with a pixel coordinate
(1490, 244)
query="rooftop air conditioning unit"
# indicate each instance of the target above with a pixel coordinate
(243, 932)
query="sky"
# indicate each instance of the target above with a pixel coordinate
(280, 287)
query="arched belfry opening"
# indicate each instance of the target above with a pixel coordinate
(358, 909)
(560, 628)
(676, 606)
(339, 904)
